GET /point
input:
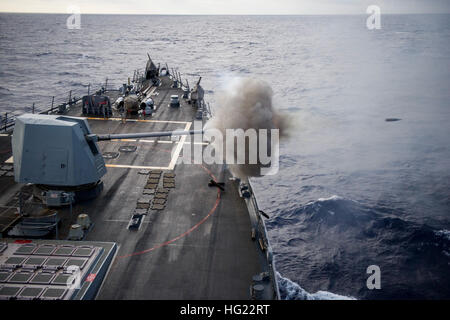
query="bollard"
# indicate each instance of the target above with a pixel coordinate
(84, 221)
(258, 291)
(76, 232)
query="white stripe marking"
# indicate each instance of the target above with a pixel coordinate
(179, 147)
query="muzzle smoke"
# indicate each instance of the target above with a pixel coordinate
(247, 104)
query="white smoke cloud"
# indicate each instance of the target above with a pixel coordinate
(246, 103)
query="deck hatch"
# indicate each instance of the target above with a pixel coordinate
(42, 278)
(26, 249)
(54, 263)
(61, 279)
(15, 261)
(79, 262)
(4, 276)
(34, 262)
(30, 292)
(27, 277)
(127, 148)
(44, 250)
(83, 252)
(64, 251)
(9, 292)
(21, 277)
(110, 155)
(53, 293)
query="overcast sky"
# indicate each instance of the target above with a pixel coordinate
(227, 6)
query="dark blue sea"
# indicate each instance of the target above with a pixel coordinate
(353, 190)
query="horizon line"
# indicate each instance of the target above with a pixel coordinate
(227, 14)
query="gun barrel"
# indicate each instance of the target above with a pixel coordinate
(105, 137)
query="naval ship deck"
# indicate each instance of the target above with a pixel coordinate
(195, 243)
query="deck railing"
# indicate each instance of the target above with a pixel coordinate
(60, 102)
(262, 233)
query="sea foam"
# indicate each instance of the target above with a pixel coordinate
(289, 290)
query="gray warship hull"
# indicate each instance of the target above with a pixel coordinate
(192, 240)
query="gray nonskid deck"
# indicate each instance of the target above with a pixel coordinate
(198, 246)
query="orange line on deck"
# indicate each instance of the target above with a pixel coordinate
(213, 209)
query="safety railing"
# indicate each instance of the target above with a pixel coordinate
(262, 232)
(61, 102)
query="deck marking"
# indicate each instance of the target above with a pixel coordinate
(177, 152)
(142, 221)
(175, 155)
(91, 277)
(10, 160)
(213, 209)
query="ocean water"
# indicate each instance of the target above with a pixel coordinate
(353, 190)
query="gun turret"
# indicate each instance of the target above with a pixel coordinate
(62, 151)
